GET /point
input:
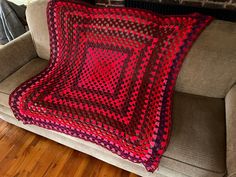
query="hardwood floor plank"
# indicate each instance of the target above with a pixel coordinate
(93, 167)
(72, 164)
(83, 166)
(28, 158)
(107, 170)
(14, 143)
(24, 154)
(55, 167)
(3, 128)
(132, 175)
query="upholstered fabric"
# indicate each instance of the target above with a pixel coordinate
(4, 99)
(230, 104)
(208, 69)
(15, 54)
(193, 149)
(198, 135)
(25, 72)
(220, 41)
(37, 22)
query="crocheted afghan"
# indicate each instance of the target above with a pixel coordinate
(111, 76)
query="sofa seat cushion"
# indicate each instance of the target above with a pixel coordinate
(197, 145)
(198, 135)
(29, 70)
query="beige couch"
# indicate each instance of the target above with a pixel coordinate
(203, 141)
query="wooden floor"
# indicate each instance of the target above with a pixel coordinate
(24, 154)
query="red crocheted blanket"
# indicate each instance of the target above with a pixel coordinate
(111, 76)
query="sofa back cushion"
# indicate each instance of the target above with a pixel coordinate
(209, 68)
(37, 21)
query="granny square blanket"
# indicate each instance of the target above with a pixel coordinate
(111, 76)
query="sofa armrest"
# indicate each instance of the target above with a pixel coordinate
(15, 54)
(230, 106)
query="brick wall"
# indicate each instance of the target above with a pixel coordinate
(216, 4)
(112, 3)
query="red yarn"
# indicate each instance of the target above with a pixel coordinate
(111, 77)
